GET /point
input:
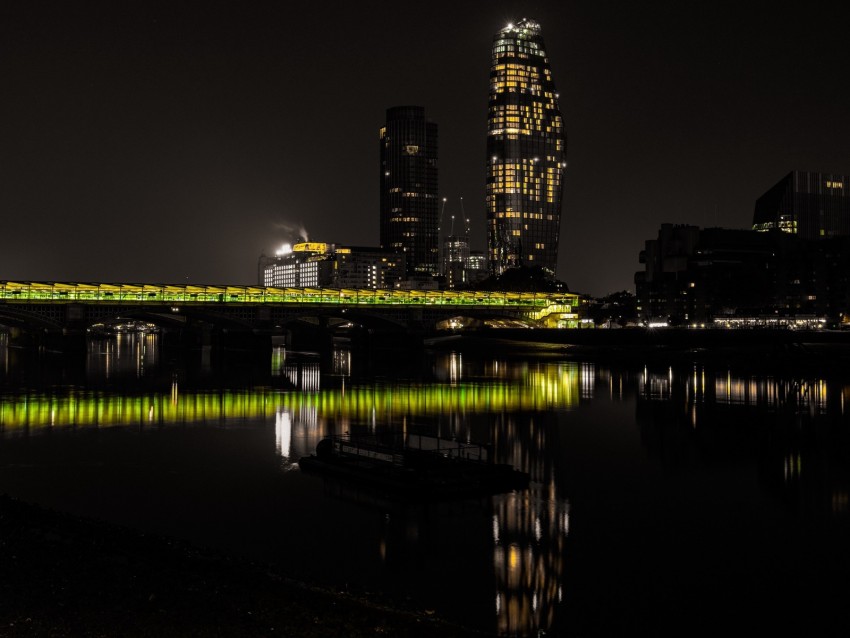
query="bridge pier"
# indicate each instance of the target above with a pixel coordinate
(64, 341)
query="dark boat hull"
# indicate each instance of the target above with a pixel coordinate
(445, 479)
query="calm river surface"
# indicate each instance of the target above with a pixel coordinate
(687, 499)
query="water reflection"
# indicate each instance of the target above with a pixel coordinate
(501, 563)
(793, 429)
(122, 356)
(4, 353)
(729, 389)
(529, 537)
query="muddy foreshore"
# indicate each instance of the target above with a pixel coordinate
(68, 576)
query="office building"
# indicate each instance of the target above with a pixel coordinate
(526, 153)
(409, 202)
(455, 259)
(809, 205)
(719, 276)
(322, 265)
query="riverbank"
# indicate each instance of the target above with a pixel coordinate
(759, 349)
(68, 576)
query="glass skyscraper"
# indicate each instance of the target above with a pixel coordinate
(526, 153)
(409, 203)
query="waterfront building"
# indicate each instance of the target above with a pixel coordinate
(724, 277)
(526, 153)
(408, 178)
(322, 265)
(809, 205)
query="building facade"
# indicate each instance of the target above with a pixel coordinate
(409, 199)
(526, 153)
(714, 276)
(321, 265)
(809, 205)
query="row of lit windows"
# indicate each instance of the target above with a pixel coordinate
(516, 108)
(513, 214)
(551, 120)
(521, 164)
(547, 112)
(510, 86)
(517, 51)
(517, 215)
(550, 176)
(499, 121)
(510, 67)
(532, 195)
(535, 124)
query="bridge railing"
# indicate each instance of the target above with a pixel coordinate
(40, 292)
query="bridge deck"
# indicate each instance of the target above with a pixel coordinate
(146, 293)
(68, 304)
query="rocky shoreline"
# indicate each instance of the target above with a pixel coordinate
(68, 576)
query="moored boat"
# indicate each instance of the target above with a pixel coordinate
(415, 466)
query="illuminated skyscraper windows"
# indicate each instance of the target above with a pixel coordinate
(409, 204)
(526, 153)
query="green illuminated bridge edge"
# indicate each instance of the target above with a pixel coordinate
(538, 305)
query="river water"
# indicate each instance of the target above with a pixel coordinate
(687, 499)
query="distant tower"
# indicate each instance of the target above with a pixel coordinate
(409, 203)
(456, 253)
(526, 153)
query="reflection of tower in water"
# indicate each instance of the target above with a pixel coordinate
(529, 527)
(529, 535)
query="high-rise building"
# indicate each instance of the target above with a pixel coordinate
(526, 153)
(810, 205)
(409, 202)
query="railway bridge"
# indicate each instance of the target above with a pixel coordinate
(67, 309)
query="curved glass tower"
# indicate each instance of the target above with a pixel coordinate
(526, 153)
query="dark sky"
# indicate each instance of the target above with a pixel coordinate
(169, 142)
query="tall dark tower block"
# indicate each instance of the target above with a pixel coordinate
(526, 153)
(409, 204)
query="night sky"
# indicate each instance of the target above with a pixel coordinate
(174, 142)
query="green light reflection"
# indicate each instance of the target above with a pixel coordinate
(540, 389)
